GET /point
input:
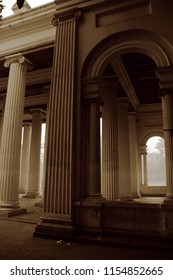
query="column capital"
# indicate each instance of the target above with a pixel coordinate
(110, 81)
(65, 16)
(18, 58)
(37, 110)
(93, 99)
(91, 90)
(26, 124)
(132, 115)
(122, 101)
(143, 149)
(165, 76)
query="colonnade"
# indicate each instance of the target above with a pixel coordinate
(116, 159)
(110, 176)
(18, 172)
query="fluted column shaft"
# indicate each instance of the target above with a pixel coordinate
(11, 133)
(91, 169)
(144, 165)
(58, 176)
(34, 160)
(134, 176)
(24, 170)
(109, 140)
(2, 118)
(165, 76)
(123, 150)
(94, 175)
(167, 105)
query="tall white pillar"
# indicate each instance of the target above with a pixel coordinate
(57, 216)
(11, 132)
(24, 165)
(109, 140)
(134, 175)
(34, 160)
(144, 165)
(123, 150)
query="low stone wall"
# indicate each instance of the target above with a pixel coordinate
(111, 218)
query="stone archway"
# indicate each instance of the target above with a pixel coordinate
(142, 41)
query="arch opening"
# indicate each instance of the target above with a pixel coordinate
(156, 161)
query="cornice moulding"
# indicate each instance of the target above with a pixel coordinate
(32, 26)
(64, 4)
(27, 22)
(31, 14)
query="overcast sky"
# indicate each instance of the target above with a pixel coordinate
(9, 3)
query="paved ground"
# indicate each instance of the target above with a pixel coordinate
(17, 242)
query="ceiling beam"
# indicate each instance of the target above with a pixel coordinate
(33, 78)
(125, 82)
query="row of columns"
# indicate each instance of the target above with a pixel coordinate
(120, 157)
(117, 182)
(12, 130)
(30, 158)
(119, 152)
(10, 137)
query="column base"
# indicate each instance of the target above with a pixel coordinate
(168, 200)
(31, 195)
(125, 197)
(22, 191)
(9, 212)
(94, 197)
(54, 227)
(87, 215)
(136, 195)
(40, 203)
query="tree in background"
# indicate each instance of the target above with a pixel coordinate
(156, 164)
(161, 148)
(19, 4)
(1, 8)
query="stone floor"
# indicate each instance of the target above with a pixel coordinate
(17, 243)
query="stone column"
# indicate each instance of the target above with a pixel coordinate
(134, 176)
(109, 140)
(12, 129)
(144, 166)
(91, 140)
(24, 170)
(3, 97)
(167, 105)
(123, 150)
(94, 175)
(57, 216)
(1, 123)
(165, 75)
(34, 160)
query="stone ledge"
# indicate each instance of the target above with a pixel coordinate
(7, 212)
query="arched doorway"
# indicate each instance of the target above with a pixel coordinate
(110, 59)
(156, 162)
